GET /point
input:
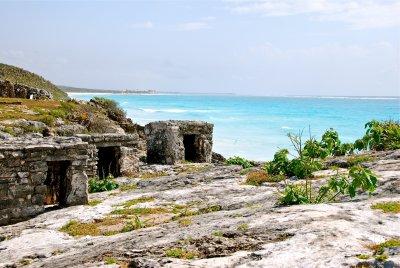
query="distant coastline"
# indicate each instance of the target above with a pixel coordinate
(77, 90)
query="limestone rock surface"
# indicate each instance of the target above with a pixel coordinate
(246, 229)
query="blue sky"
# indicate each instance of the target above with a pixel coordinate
(256, 47)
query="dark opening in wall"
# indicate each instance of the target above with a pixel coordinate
(58, 182)
(108, 162)
(190, 147)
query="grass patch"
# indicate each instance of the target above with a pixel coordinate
(382, 257)
(218, 234)
(75, 228)
(105, 227)
(388, 207)
(180, 253)
(210, 208)
(138, 211)
(93, 203)
(355, 160)
(183, 211)
(190, 169)
(185, 222)
(128, 187)
(257, 177)
(153, 175)
(363, 257)
(136, 201)
(110, 261)
(243, 227)
(390, 243)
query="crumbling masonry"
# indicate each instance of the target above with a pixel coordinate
(35, 172)
(174, 141)
(54, 171)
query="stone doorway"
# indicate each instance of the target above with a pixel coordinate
(108, 161)
(190, 147)
(58, 182)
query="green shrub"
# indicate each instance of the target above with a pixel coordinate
(361, 178)
(330, 145)
(380, 136)
(302, 166)
(279, 165)
(102, 185)
(113, 110)
(236, 160)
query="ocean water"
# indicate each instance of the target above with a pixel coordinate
(256, 127)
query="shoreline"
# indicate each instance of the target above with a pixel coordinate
(235, 95)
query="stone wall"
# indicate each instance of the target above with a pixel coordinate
(171, 142)
(128, 159)
(23, 171)
(10, 90)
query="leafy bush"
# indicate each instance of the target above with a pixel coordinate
(330, 145)
(236, 160)
(113, 110)
(279, 165)
(361, 178)
(102, 185)
(380, 136)
(301, 167)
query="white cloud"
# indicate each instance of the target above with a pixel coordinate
(142, 25)
(203, 23)
(359, 14)
(195, 26)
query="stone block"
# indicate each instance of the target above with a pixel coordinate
(8, 203)
(38, 166)
(41, 189)
(38, 178)
(38, 199)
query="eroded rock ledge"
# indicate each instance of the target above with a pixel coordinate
(232, 225)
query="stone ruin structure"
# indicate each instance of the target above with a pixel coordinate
(171, 142)
(115, 154)
(10, 90)
(35, 172)
(54, 171)
(40, 171)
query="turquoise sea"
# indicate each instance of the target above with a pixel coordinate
(256, 127)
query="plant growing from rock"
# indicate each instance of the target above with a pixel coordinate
(102, 185)
(380, 136)
(359, 178)
(301, 166)
(236, 160)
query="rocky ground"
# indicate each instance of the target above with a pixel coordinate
(208, 217)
